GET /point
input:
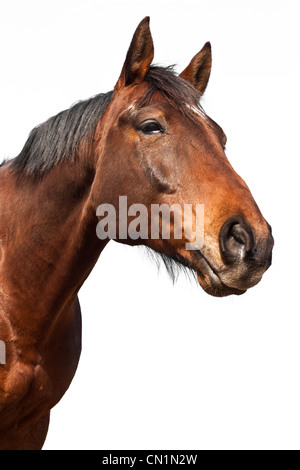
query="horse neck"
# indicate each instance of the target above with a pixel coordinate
(50, 243)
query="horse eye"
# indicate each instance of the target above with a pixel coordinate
(150, 127)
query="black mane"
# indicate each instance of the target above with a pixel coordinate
(59, 137)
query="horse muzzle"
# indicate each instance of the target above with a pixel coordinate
(246, 255)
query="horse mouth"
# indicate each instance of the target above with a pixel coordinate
(210, 281)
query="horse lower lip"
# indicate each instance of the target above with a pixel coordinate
(214, 279)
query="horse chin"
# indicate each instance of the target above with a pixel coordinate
(217, 289)
(211, 283)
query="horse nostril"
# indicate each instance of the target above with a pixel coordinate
(236, 240)
(240, 235)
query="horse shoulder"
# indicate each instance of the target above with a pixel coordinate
(19, 376)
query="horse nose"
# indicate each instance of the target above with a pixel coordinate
(239, 243)
(236, 240)
(246, 252)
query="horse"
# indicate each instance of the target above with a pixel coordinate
(149, 139)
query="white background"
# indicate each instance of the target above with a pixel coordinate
(163, 366)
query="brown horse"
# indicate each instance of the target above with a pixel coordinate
(150, 140)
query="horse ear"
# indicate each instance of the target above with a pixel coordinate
(198, 70)
(139, 56)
